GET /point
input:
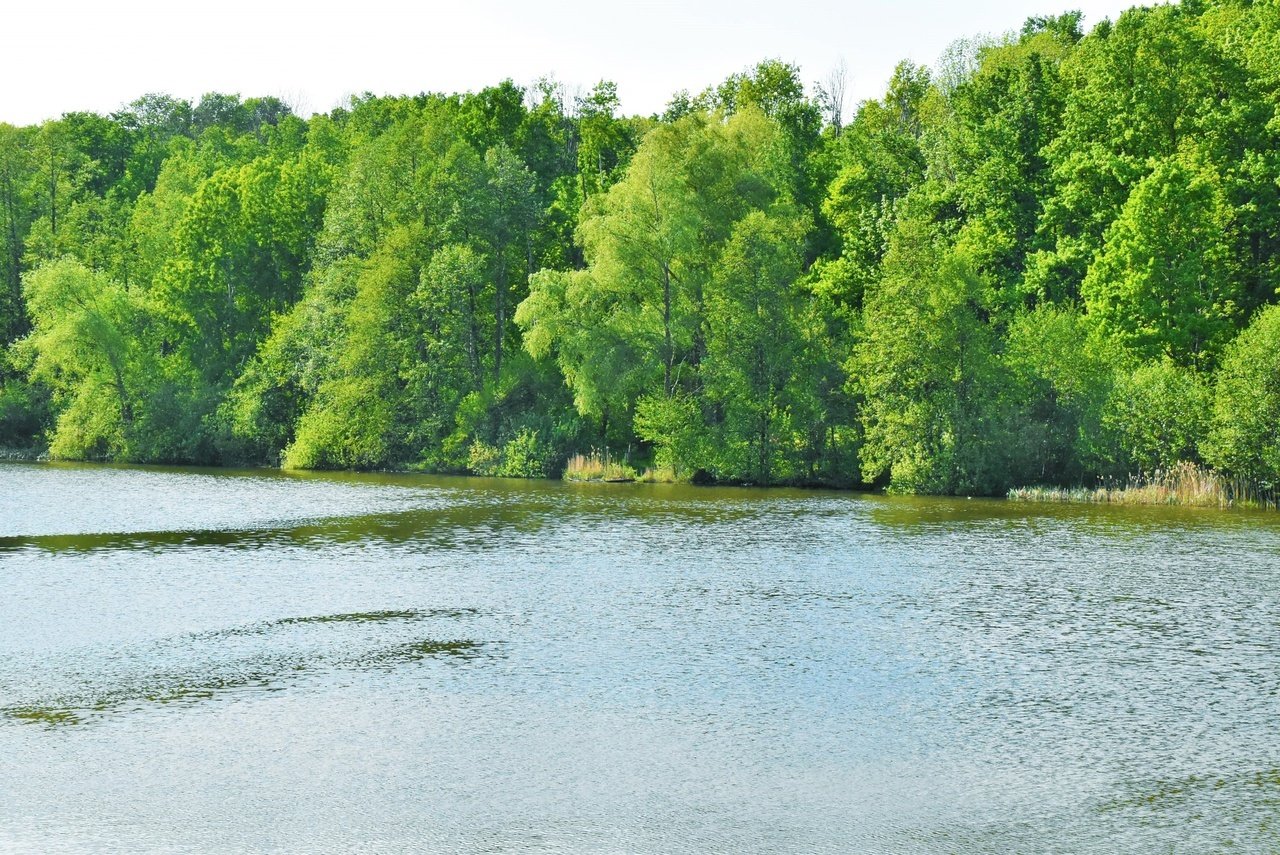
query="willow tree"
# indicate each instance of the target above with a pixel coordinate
(629, 331)
(83, 344)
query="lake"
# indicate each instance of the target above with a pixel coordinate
(237, 661)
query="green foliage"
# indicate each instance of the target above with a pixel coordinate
(1063, 374)
(879, 159)
(1162, 282)
(926, 371)
(24, 410)
(523, 456)
(1244, 437)
(348, 427)
(754, 349)
(1157, 84)
(1156, 415)
(16, 213)
(688, 318)
(991, 150)
(605, 143)
(1031, 264)
(673, 426)
(81, 346)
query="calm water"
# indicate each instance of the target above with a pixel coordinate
(208, 661)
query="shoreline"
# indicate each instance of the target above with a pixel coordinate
(1185, 486)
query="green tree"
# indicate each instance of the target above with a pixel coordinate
(605, 142)
(1156, 416)
(15, 218)
(1162, 282)
(632, 325)
(926, 371)
(1244, 436)
(1064, 374)
(360, 415)
(511, 223)
(879, 158)
(754, 347)
(82, 345)
(56, 182)
(990, 150)
(1138, 92)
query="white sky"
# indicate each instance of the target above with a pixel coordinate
(63, 55)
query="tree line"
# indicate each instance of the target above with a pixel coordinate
(1051, 258)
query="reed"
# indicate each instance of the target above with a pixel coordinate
(661, 475)
(597, 467)
(1181, 484)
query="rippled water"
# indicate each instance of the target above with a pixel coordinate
(211, 661)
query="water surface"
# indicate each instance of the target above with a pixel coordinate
(200, 660)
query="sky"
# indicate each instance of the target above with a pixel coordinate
(66, 55)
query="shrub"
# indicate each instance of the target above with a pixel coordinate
(23, 412)
(483, 459)
(523, 456)
(1155, 416)
(1243, 437)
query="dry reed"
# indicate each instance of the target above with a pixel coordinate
(597, 467)
(1182, 484)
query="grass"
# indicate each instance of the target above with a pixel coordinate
(1182, 484)
(661, 475)
(597, 467)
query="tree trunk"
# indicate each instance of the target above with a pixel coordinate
(499, 314)
(669, 355)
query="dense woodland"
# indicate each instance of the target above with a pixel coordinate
(1053, 258)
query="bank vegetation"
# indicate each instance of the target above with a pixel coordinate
(1049, 258)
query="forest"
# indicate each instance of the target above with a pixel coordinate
(1052, 258)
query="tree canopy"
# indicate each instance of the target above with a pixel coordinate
(1052, 258)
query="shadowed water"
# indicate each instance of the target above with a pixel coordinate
(193, 660)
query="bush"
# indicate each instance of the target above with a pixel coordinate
(24, 411)
(674, 426)
(1155, 417)
(484, 459)
(526, 456)
(349, 426)
(1062, 378)
(1243, 435)
(523, 456)
(90, 428)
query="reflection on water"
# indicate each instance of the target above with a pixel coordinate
(402, 663)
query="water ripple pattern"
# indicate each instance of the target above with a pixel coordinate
(209, 661)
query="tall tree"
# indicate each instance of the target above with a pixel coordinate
(83, 344)
(1162, 282)
(926, 371)
(754, 347)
